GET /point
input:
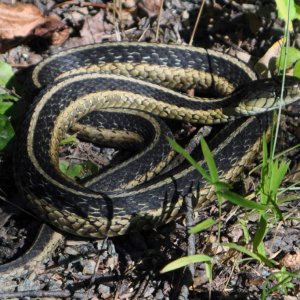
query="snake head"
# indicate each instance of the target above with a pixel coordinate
(264, 95)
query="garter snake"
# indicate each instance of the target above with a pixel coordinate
(141, 81)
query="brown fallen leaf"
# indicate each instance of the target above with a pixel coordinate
(95, 27)
(18, 21)
(54, 29)
(151, 7)
(266, 65)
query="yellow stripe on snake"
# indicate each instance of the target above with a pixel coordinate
(129, 87)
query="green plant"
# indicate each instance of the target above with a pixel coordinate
(288, 10)
(272, 173)
(223, 191)
(78, 170)
(7, 101)
(280, 282)
(293, 60)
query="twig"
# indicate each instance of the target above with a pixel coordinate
(97, 263)
(39, 294)
(190, 271)
(158, 20)
(116, 23)
(196, 24)
(142, 288)
(71, 2)
(144, 32)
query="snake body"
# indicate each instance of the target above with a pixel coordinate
(141, 81)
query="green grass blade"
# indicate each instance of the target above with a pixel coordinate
(203, 225)
(261, 250)
(222, 186)
(208, 270)
(186, 260)
(242, 249)
(265, 154)
(241, 201)
(276, 209)
(260, 234)
(278, 173)
(189, 158)
(264, 173)
(208, 157)
(278, 155)
(253, 255)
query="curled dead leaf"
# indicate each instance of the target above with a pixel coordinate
(18, 20)
(266, 64)
(23, 19)
(291, 261)
(54, 28)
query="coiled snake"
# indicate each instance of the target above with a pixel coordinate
(138, 82)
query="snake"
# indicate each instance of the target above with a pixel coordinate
(121, 90)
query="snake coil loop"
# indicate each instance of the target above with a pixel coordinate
(131, 85)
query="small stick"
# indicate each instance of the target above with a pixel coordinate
(158, 20)
(196, 24)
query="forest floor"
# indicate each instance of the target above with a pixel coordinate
(128, 267)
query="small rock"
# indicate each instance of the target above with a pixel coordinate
(54, 285)
(28, 285)
(71, 251)
(112, 262)
(159, 295)
(185, 15)
(103, 289)
(148, 293)
(89, 266)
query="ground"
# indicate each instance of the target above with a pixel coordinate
(128, 267)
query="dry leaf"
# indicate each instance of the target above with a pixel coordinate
(291, 261)
(18, 20)
(53, 28)
(126, 18)
(94, 28)
(267, 62)
(22, 19)
(152, 7)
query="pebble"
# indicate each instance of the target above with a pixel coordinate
(71, 251)
(159, 295)
(88, 266)
(28, 285)
(103, 289)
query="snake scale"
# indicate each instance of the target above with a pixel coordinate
(100, 88)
